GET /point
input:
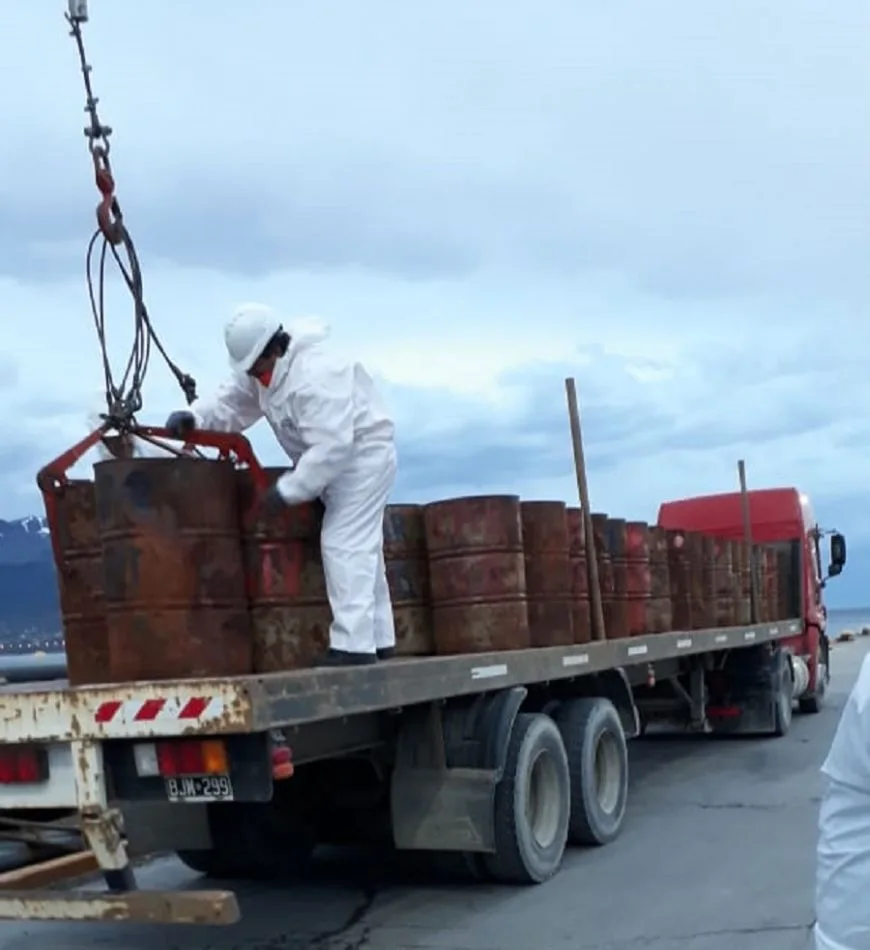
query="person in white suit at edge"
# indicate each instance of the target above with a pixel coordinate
(328, 416)
(843, 853)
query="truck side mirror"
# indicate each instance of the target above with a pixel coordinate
(838, 554)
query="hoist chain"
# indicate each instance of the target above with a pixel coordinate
(124, 397)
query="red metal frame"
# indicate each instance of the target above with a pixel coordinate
(231, 446)
(52, 478)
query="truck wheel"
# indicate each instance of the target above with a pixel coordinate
(262, 841)
(204, 861)
(783, 701)
(809, 705)
(461, 866)
(532, 804)
(598, 763)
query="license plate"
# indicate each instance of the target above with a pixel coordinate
(199, 788)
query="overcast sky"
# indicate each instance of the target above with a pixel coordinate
(668, 200)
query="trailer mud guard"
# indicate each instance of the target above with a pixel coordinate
(449, 760)
(614, 685)
(608, 684)
(758, 693)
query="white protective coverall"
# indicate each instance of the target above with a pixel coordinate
(843, 859)
(328, 417)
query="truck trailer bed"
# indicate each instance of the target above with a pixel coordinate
(57, 712)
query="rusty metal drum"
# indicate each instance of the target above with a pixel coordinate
(173, 579)
(617, 546)
(582, 614)
(718, 590)
(696, 547)
(290, 613)
(760, 567)
(80, 583)
(477, 574)
(638, 576)
(743, 583)
(686, 600)
(734, 584)
(771, 583)
(548, 573)
(605, 571)
(407, 564)
(659, 613)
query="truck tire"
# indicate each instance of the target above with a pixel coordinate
(465, 867)
(783, 700)
(256, 841)
(532, 804)
(598, 763)
(812, 703)
(204, 861)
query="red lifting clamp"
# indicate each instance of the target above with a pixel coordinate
(52, 478)
(230, 446)
(109, 217)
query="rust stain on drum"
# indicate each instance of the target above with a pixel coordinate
(616, 539)
(696, 547)
(605, 571)
(80, 584)
(477, 574)
(760, 568)
(659, 612)
(290, 613)
(548, 573)
(770, 594)
(407, 566)
(582, 613)
(638, 576)
(173, 580)
(682, 569)
(718, 572)
(743, 583)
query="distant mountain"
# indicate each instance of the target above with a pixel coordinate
(24, 541)
(28, 587)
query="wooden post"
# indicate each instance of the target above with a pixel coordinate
(598, 631)
(747, 537)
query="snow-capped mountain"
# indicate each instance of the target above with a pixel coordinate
(24, 540)
(28, 586)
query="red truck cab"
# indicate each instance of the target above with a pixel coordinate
(781, 518)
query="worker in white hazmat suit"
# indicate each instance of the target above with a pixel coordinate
(328, 417)
(843, 857)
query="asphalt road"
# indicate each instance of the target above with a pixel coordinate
(717, 852)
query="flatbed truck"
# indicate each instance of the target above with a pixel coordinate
(497, 760)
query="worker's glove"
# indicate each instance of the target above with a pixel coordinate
(180, 423)
(272, 503)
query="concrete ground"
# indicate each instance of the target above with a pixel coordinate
(717, 852)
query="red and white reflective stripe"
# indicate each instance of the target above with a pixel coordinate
(176, 708)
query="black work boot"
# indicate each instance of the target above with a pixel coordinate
(386, 653)
(344, 658)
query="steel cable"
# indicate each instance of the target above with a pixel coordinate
(124, 395)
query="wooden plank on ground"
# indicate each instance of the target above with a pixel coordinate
(46, 873)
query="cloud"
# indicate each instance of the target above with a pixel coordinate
(673, 143)
(668, 201)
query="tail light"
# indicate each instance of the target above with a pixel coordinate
(177, 757)
(23, 765)
(282, 763)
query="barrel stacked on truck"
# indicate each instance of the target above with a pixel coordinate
(165, 572)
(495, 739)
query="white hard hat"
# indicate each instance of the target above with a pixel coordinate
(247, 332)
